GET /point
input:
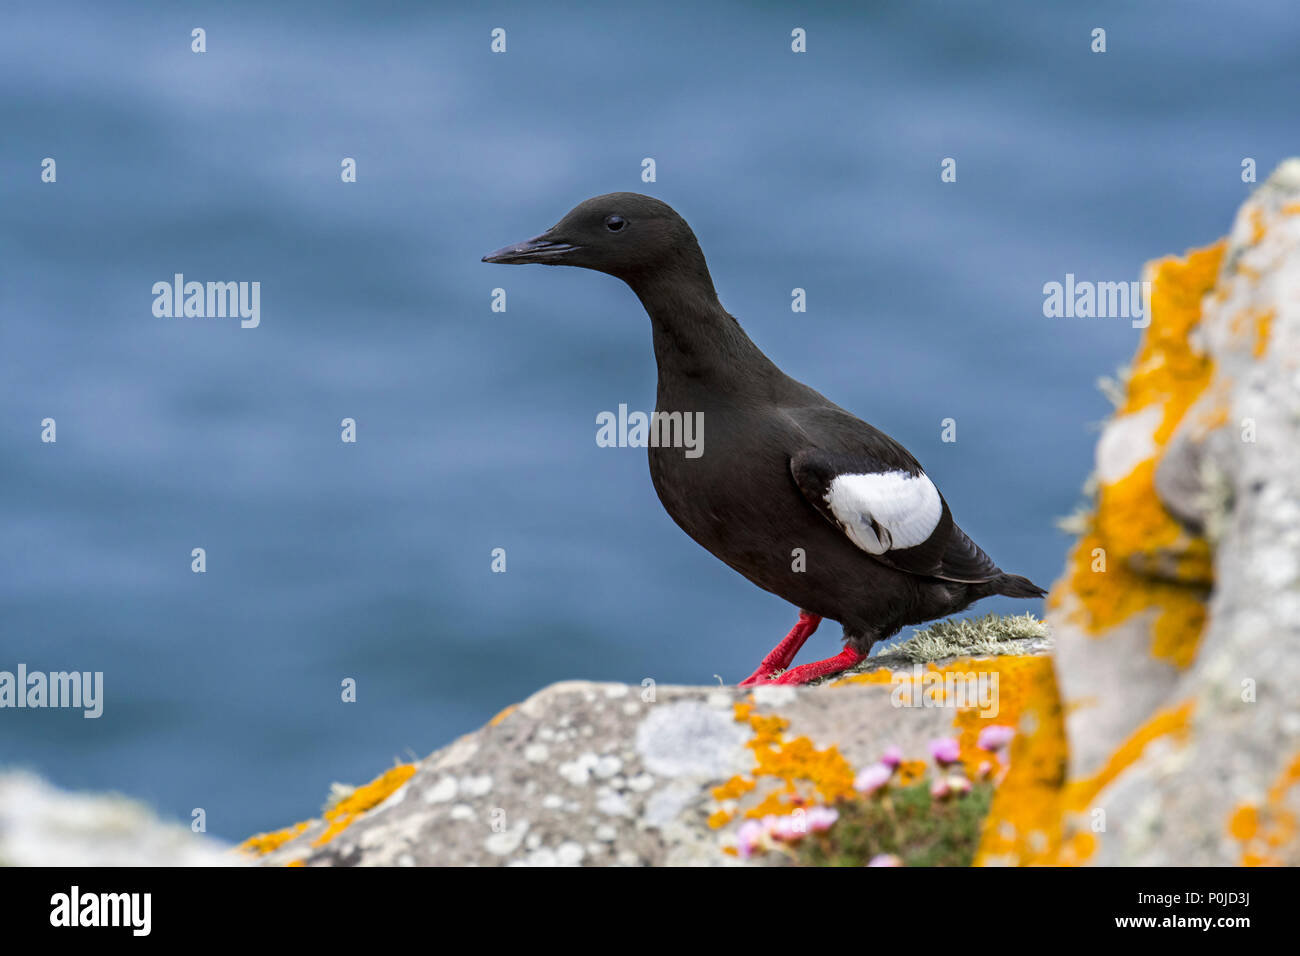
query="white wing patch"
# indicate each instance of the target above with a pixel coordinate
(886, 510)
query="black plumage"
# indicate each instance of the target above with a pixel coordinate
(784, 472)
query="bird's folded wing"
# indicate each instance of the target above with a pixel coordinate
(889, 507)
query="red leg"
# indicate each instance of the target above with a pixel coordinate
(832, 665)
(784, 652)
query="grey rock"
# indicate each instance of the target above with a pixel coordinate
(607, 775)
(41, 825)
(1238, 480)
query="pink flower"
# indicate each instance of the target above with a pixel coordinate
(996, 737)
(892, 757)
(885, 859)
(959, 785)
(749, 838)
(793, 828)
(821, 819)
(940, 788)
(945, 750)
(873, 778)
(785, 829)
(985, 770)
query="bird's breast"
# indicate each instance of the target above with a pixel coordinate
(729, 494)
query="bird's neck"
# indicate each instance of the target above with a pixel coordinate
(696, 340)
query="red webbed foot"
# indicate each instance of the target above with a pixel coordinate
(784, 653)
(832, 665)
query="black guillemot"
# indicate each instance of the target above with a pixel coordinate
(792, 491)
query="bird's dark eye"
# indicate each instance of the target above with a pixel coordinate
(615, 223)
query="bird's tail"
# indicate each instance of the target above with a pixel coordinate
(1013, 585)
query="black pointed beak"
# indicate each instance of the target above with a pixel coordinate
(544, 249)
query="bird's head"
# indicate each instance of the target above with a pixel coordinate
(623, 234)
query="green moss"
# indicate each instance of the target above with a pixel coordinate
(972, 637)
(987, 636)
(906, 822)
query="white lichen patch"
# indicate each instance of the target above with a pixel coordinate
(774, 695)
(606, 833)
(507, 841)
(479, 786)
(569, 853)
(641, 783)
(691, 738)
(666, 805)
(613, 803)
(578, 772)
(1126, 442)
(442, 791)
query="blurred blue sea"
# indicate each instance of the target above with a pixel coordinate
(477, 429)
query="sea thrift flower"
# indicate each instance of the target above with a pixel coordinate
(985, 770)
(959, 785)
(873, 778)
(885, 859)
(892, 757)
(749, 837)
(996, 737)
(945, 750)
(786, 829)
(821, 819)
(940, 788)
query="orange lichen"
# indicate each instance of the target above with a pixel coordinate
(1172, 722)
(733, 789)
(1289, 777)
(1257, 229)
(1130, 532)
(1263, 330)
(264, 843)
(1139, 532)
(1024, 822)
(1077, 848)
(344, 813)
(1077, 844)
(1264, 830)
(1244, 823)
(910, 772)
(882, 675)
(1105, 598)
(1167, 370)
(1029, 822)
(803, 772)
(793, 761)
(1176, 632)
(502, 715)
(777, 803)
